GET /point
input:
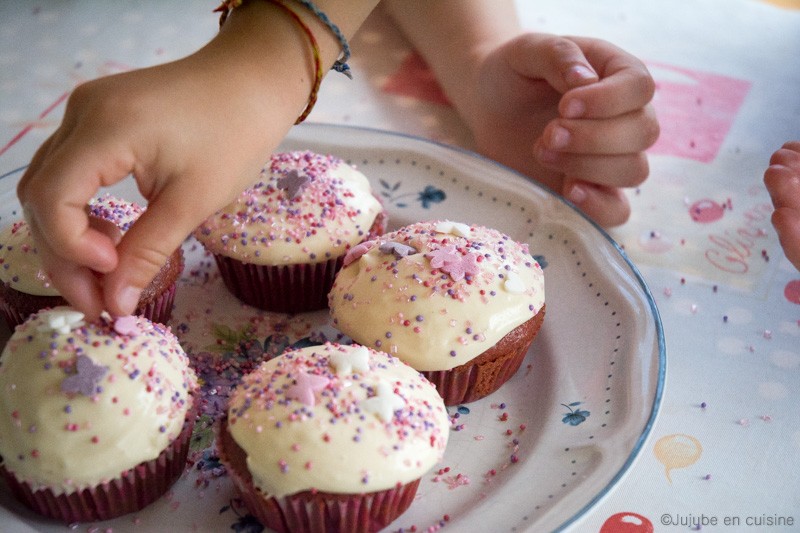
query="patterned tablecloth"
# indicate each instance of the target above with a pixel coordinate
(722, 454)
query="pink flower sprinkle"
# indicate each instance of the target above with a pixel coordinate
(443, 256)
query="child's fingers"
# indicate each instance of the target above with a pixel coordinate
(617, 170)
(557, 60)
(607, 206)
(787, 223)
(624, 134)
(787, 156)
(624, 84)
(171, 215)
(783, 182)
(54, 195)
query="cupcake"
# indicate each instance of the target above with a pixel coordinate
(331, 438)
(95, 418)
(459, 303)
(280, 243)
(25, 288)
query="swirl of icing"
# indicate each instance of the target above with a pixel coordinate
(459, 291)
(337, 418)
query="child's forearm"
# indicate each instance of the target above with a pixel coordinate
(454, 36)
(262, 46)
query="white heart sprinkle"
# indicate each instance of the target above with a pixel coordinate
(513, 283)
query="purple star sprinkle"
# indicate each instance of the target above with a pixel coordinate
(397, 248)
(294, 183)
(86, 377)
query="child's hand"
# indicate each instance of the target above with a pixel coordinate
(194, 133)
(782, 179)
(159, 125)
(573, 113)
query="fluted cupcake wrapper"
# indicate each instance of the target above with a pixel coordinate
(488, 372)
(159, 309)
(132, 491)
(314, 511)
(292, 288)
(473, 381)
(297, 288)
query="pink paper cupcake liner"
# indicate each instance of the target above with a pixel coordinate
(132, 491)
(158, 310)
(319, 512)
(471, 382)
(294, 288)
(11, 315)
(283, 289)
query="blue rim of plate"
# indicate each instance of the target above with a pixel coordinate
(662, 353)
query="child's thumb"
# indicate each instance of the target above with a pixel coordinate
(145, 248)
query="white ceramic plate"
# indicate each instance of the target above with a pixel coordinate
(536, 455)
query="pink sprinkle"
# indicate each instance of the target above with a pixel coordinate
(744, 422)
(354, 253)
(127, 325)
(766, 418)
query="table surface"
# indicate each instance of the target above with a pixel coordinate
(725, 444)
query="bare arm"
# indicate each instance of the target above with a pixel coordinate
(573, 113)
(193, 132)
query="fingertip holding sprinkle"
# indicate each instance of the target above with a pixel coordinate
(127, 325)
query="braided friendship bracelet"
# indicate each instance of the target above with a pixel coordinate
(318, 73)
(340, 65)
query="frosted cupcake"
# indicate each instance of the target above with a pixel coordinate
(25, 288)
(332, 438)
(462, 304)
(280, 243)
(95, 419)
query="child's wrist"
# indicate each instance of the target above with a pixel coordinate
(300, 21)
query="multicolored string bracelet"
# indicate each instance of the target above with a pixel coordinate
(318, 73)
(340, 65)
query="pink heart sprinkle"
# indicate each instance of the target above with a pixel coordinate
(127, 325)
(354, 253)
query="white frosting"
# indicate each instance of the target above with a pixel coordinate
(79, 404)
(274, 222)
(20, 264)
(444, 301)
(315, 418)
